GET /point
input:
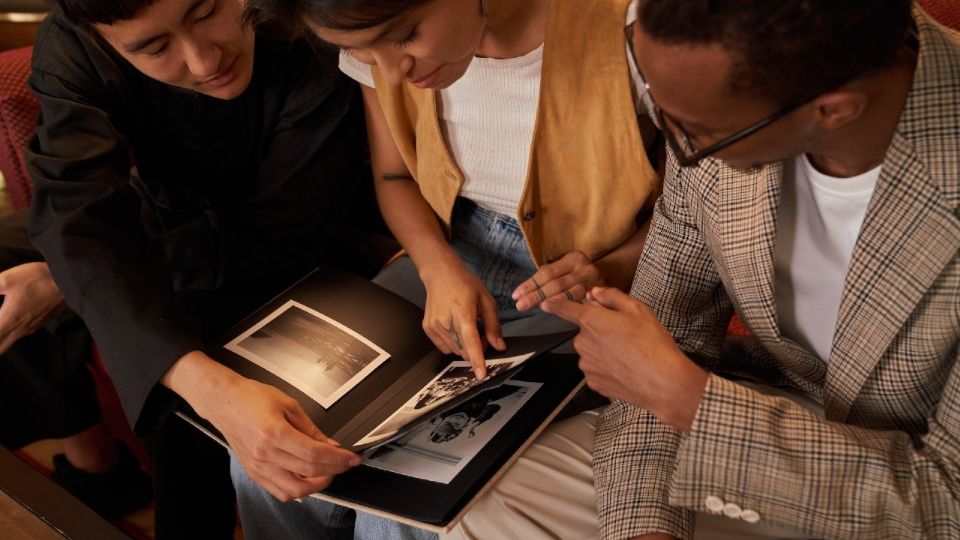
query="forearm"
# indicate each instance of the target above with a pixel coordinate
(415, 226)
(411, 220)
(201, 381)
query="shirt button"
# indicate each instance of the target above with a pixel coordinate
(750, 516)
(714, 504)
(732, 511)
(529, 215)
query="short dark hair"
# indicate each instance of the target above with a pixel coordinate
(86, 13)
(787, 51)
(285, 17)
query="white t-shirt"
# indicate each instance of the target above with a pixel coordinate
(488, 118)
(820, 219)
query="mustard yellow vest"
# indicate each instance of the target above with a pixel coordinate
(588, 175)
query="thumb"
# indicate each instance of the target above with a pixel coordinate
(563, 308)
(611, 298)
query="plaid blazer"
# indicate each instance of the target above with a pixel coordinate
(885, 463)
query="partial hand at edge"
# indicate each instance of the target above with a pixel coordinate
(277, 444)
(570, 276)
(30, 298)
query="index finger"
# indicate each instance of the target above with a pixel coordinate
(565, 309)
(473, 348)
(312, 451)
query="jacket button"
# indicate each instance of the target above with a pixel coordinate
(529, 215)
(750, 516)
(714, 504)
(732, 511)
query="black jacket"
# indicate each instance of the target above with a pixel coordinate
(242, 196)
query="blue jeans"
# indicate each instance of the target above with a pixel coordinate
(493, 248)
(266, 518)
(491, 245)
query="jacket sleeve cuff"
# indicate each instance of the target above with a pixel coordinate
(634, 457)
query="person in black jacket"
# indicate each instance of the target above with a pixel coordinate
(186, 170)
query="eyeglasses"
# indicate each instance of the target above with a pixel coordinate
(680, 142)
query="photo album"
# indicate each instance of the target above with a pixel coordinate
(432, 435)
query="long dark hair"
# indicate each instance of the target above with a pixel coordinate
(286, 17)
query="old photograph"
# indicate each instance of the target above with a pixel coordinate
(456, 379)
(316, 354)
(439, 449)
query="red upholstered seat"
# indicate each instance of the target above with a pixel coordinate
(946, 12)
(18, 116)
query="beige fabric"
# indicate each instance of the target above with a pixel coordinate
(885, 462)
(547, 493)
(588, 176)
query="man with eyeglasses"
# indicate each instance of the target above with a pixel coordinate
(812, 186)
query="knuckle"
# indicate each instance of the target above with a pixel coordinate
(315, 455)
(258, 452)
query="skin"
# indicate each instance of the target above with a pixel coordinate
(199, 45)
(432, 47)
(624, 350)
(30, 297)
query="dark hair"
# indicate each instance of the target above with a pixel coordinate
(286, 17)
(786, 51)
(86, 13)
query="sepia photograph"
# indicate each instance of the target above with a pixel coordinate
(439, 449)
(316, 354)
(456, 379)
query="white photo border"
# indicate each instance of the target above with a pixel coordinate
(325, 401)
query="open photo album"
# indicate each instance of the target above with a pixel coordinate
(432, 435)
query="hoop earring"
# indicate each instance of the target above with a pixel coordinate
(483, 8)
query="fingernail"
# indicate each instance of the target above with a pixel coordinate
(515, 295)
(502, 343)
(522, 305)
(354, 461)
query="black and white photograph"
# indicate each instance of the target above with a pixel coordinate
(316, 354)
(456, 379)
(439, 449)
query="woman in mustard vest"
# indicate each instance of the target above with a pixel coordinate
(506, 152)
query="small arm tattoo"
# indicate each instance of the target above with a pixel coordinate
(393, 177)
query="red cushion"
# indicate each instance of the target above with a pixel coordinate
(946, 12)
(18, 118)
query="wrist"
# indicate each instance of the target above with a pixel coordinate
(439, 265)
(200, 380)
(684, 402)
